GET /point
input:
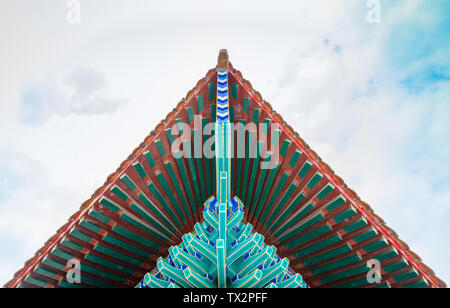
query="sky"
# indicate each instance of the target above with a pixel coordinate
(365, 82)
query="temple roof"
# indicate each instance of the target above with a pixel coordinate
(300, 206)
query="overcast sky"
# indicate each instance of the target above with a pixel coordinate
(372, 99)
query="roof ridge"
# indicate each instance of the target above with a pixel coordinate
(110, 180)
(350, 194)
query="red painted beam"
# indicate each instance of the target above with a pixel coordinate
(341, 189)
(27, 269)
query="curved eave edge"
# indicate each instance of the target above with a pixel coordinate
(361, 206)
(350, 194)
(31, 263)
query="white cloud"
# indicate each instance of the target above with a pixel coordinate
(32, 209)
(320, 65)
(389, 143)
(81, 92)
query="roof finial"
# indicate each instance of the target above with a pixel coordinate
(222, 61)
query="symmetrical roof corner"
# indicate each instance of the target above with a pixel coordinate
(351, 224)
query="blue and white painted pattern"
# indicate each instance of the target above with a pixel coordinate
(222, 252)
(222, 114)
